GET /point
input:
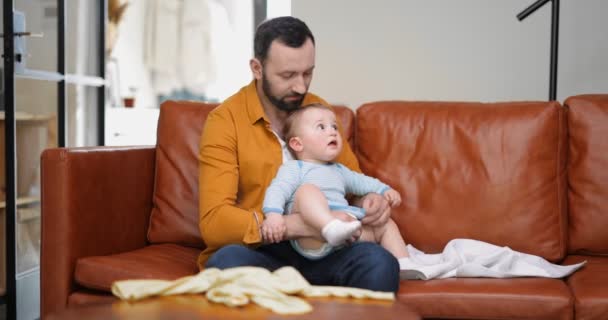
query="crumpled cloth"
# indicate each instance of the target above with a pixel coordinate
(238, 286)
(474, 258)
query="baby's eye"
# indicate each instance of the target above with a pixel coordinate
(321, 126)
(335, 126)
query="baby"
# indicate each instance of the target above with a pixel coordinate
(315, 186)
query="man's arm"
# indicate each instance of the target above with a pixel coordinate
(221, 222)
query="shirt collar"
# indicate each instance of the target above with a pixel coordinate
(254, 105)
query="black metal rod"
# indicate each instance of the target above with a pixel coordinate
(529, 10)
(554, 40)
(10, 159)
(259, 12)
(101, 91)
(61, 85)
(554, 49)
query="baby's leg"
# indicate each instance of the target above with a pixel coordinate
(314, 243)
(388, 236)
(311, 203)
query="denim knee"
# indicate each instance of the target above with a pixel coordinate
(375, 268)
(233, 255)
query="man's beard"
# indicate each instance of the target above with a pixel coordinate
(281, 103)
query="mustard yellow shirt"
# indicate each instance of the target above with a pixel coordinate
(239, 155)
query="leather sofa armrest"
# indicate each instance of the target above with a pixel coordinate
(95, 201)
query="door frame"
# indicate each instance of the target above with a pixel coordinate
(62, 79)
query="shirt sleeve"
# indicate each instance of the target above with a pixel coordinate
(221, 222)
(360, 184)
(282, 188)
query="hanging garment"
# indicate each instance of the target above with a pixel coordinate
(184, 41)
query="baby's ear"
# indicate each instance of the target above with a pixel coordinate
(296, 144)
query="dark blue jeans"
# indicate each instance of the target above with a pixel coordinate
(362, 265)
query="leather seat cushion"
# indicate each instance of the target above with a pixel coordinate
(481, 298)
(86, 297)
(589, 287)
(163, 261)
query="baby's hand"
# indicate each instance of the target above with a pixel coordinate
(273, 228)
(393, 197)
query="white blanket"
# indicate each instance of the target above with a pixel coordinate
(472, 258)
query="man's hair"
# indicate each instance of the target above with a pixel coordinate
(289, 130)
(290, 31)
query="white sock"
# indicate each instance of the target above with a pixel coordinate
(336, 232)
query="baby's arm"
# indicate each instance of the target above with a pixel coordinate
(277, 194)
(281, 188)
(360, 184)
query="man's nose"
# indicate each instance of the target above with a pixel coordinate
(299, 85)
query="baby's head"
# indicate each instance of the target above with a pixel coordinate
(311, 132)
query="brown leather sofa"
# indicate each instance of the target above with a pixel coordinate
(529, 175)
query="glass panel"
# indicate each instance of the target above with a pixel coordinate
(39, 17)
(36, 129)
(81, 109)
(82, 37)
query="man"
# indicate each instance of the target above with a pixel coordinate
(240, 152)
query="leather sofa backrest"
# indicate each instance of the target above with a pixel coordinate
(346, 119)
(494, 172)
(588, 174)
(174, 217)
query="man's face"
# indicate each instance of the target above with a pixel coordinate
(287, 73)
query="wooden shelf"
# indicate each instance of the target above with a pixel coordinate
(22, 201)
(24, 214)
(24, 116)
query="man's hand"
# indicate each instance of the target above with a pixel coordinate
(273, 228)
(393, 197)
(377, 209)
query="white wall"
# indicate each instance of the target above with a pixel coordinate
(467, 50)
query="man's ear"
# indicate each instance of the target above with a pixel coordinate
(296, 144)
(256, 68)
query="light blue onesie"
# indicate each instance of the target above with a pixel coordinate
(333, 179)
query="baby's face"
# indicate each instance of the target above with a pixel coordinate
(318, 132)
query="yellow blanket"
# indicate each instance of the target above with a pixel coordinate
(237, 286)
